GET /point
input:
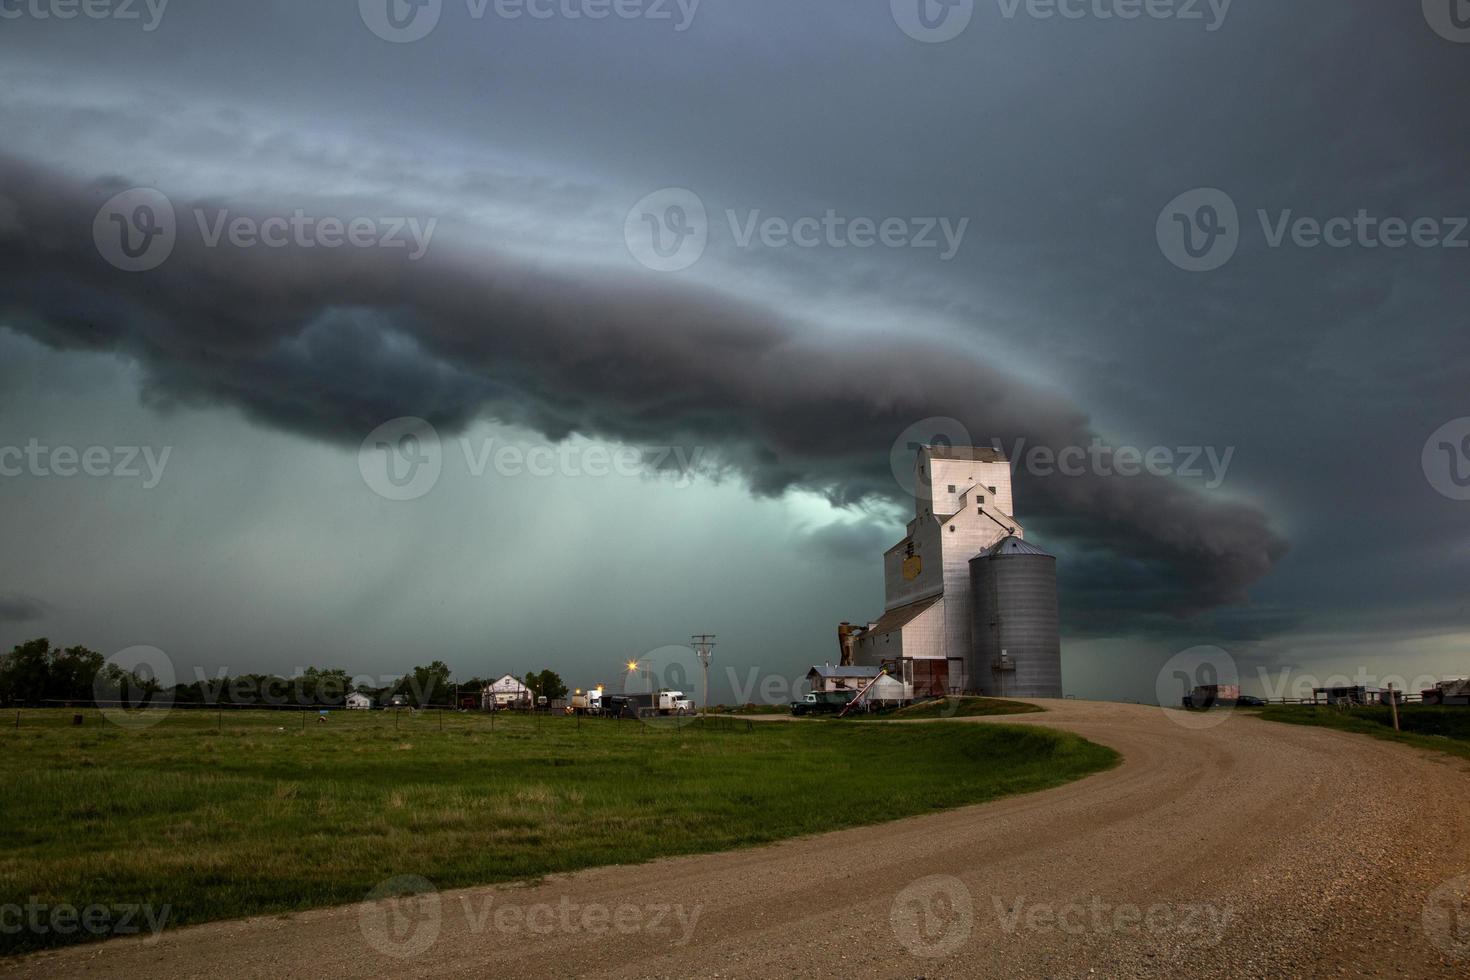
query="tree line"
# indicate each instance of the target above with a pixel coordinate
(36, 673)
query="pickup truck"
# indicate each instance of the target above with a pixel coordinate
(822, 703)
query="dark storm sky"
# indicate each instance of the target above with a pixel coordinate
(1324, 370)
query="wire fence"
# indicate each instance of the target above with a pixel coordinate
(222, 716)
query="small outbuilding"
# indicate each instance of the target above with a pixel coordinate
(358, 701)
(884, 687)
(827, 677)
(1349, 695)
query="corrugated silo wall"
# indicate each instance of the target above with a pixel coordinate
(1015, 610)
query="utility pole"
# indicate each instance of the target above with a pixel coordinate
(704, 645)
(1393, 703)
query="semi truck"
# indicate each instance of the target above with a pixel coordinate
(635, 705)
(586, 703)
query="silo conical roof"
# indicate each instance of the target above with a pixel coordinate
(1015, 546)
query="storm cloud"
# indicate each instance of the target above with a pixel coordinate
(331, 343)
(20, 608)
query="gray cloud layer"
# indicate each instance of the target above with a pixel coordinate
(332, 343)
(20, 608)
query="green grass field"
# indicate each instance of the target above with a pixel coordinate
(254, 812)
(753, 709)
(964, 708)
(1425, 726)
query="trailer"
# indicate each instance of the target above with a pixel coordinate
(641, 705)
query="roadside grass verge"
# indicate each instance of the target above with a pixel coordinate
(1425, 726)
(252, 812)
(963, 708)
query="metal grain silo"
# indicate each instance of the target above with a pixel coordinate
(1016, 631)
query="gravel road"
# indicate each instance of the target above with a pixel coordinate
(1243, 849)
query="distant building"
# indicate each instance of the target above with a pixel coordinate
(826, 677)
(883, 687)
(357, 701)
(970, 607)
(1449, 693)
(507, 692)
(1212, 695)
(1349, 695)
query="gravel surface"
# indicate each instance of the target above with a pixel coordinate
(1245, 849)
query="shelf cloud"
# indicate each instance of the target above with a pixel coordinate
(332, 342)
